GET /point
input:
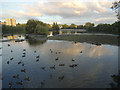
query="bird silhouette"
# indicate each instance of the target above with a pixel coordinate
(52, 67)
(61, 77)
(8, 44)
(37, 60)
(80, 51)
(37, 56)
(16, 76)
(73, 60)
(23, 64)
(42, 83)
(24, 49)
(27, 79)
(19, 83)
(11, 58)
(61, 64)
(23, 70)
(8, 62)
(23, 55)
(10, 84)
(19, 62)
(56, 59)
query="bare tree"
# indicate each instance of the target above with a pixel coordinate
(116, 8)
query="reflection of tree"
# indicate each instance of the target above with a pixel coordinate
(116, 83)
(35, 42)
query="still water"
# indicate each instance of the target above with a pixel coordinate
(95, 64)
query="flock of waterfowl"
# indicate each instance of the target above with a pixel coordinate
(43, 68)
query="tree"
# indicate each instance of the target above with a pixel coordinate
(55, 28)
(116, 7)
(65, 26)
(72, 26)
(41, 29)
(13, 30)
(31, 25)
(80, 26)
(89, 25)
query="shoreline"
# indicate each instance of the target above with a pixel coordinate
(86, 37)
(103, 39)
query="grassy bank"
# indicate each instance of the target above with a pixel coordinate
(104, 39)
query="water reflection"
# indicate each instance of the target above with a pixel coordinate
(47, 64)
(35, 42)
(12, 37)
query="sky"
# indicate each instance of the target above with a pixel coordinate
(60, 11)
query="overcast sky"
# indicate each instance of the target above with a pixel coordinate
(61, 11)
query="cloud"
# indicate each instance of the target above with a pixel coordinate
(73, 10)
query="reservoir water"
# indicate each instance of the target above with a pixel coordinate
(94, 64)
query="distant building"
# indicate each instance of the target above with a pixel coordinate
(2, 23)
(10, 22)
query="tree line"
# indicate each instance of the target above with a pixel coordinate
(74, 26)
(104, 28)
(38, 27)
(18, 29)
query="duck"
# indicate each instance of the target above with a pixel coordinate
(19, 83)
(8, 44)
(71, 65)
(75, 65)
(24, 49)
(23, 70)
(34, 51)
(11, 58)
(73, 60)
(42, 67)
(80, 51)
(19, 62)
(10, 84)
(61, 64)
(23, 55)
(56, 59)
(23, 64)
(59, 52)
(53, 67)
(42, 83)
(16, 76)
(61, 77)
(37, 60)
(37, 56)
(8, 62)
(27, 79)
(11, 50)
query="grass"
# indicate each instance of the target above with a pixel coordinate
(103, 39)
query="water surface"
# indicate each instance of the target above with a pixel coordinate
(96, 64)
